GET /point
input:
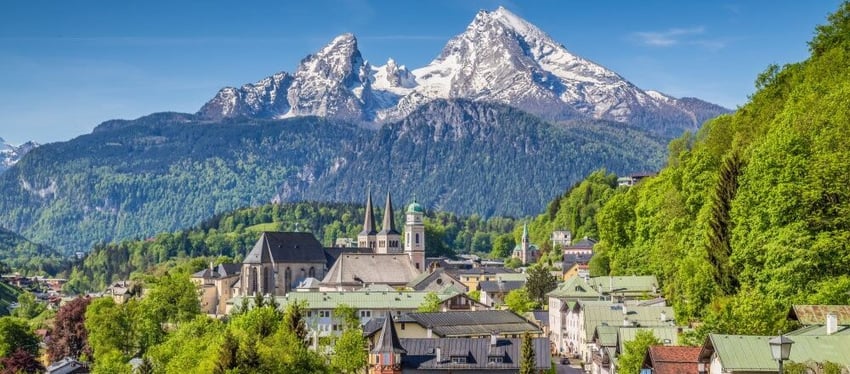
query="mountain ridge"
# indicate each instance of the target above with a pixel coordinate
(500, 57)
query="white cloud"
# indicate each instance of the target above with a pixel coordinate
(689, 36)
(667, 38)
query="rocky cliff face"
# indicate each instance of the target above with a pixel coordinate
(499, 58)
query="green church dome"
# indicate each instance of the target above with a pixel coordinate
(414, 207)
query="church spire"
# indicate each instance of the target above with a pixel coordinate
(388, 228)
(388, 340)
(369, 219)
(525, 233)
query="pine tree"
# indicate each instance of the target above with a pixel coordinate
(228, 354)
(527, 363)
(718, 244)
(294, 320)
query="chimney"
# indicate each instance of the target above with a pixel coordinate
(625, 310)
(831, 323)
(494, 336)
(430, 331)
(626, 322)
(663, 316)
(439, 356)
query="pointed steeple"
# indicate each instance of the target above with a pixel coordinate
(388, 228)
(525, 232)
(369, 220)
(388, 341)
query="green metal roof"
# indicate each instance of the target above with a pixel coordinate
(414, 207)
(819, 330)
(575, 288)
(752, 353)
(612, 315)
(356, 299)
(606, 336)
(625, 284)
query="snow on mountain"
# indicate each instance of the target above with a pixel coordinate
(500, 57)
(9, 154)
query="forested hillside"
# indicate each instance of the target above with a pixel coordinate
(228, 237)
(19, 254)
(169, 171)
(751, 214)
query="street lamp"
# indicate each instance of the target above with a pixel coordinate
(780, 348)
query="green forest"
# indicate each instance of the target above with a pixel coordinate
(228, 238)
(751, 214)
(170, 171)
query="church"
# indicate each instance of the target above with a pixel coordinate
(386, 263)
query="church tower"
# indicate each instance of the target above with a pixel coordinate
(388, 355)
(367, 237)
(414, 235)
(524, 245)
(388, 238)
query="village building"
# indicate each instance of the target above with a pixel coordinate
(278, 262)
(391, 354)
(493, 292)
(479, 323)
(472, 277)
(216, 284)
(561, 239)
(672, 360)
(576, 265)
(436, 280)
(740, 354)
(368, 304)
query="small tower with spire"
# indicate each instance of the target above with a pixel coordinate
(414, 235)
(389, 238)
(386, 356)
(525, 251)
(368, 237)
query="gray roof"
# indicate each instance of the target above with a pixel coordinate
(220, 271)
(67, 365)
(333, 253)
(421, 354)
(474, 323)
(290, 247)
(355, 269)
(542, 316)
(388, 340)
(435, 280)
(583, 243)
(500, 286)
(576, 258)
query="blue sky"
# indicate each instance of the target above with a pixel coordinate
(66, 66)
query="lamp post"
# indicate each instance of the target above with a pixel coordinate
(780, 348)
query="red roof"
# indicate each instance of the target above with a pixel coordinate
(674, 360)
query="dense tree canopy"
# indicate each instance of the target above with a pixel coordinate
(751, 214)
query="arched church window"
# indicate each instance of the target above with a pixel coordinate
(287, 279)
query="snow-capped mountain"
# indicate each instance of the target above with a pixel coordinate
(498, 58)
(10, 154)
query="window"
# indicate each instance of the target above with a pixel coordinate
(387, 359)
(312, 272)
(495, 359)
(309, 314)
(365, 314)
(402, 325)
(458, 359)
(417, 238)
(324, 313)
